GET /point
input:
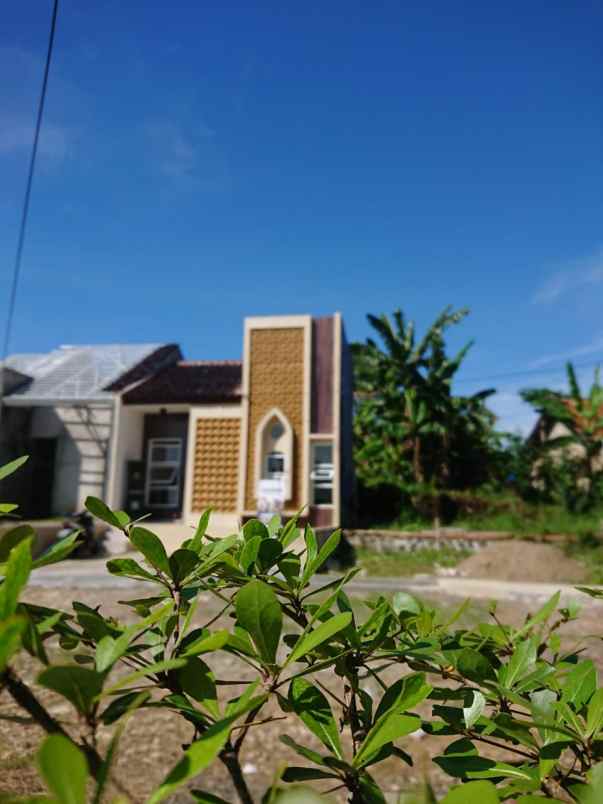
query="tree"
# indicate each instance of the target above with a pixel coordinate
(356, 680)
(410, 430)
(580, 443)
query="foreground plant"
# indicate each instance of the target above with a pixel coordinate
(515, 690)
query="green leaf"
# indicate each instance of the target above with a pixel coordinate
(313, 709)
(594, 716)
(128, 568)
(197, 681)
(197, 540)
(311, 545)
(290, 533)
(182, 563)
(254, 528)
(389, 727)
(289, 565)
(119, 706)
(308, 641)
(7, 508)
(580, 684)
(472, 793)
(18, 568)
(149, 670)
(152, 549)
(200, 754)
(203, 641)
(11, 467)
(403, 603)
(306, 753)
(371, 792)
(80, 685)
(325, 551)
(109, 650)
(541, 616)
(11, 538)
(475, 666)
(473, 712)
(404, 694)
(249, 553)
(101, 511)
(520, 664)
(57, 552)
(11, 630)
(268, 554)
(260, 614)
(64, 769)
(542, 706)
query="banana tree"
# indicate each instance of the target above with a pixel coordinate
(580, 418)
(408, 423)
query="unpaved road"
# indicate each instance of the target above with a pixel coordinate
(153, 739)
(92, 574)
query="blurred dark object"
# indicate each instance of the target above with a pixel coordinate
(90, 543)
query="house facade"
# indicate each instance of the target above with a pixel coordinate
(172, 437)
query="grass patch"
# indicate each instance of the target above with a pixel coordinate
(590, 553)
(510, 514)
(412, 562)
(541, 519)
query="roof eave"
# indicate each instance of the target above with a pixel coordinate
(38, 402)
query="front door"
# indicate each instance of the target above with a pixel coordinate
(165, 459)
(164, 474)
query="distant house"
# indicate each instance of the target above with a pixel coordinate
(149, 431)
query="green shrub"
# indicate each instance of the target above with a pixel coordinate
(492, 685)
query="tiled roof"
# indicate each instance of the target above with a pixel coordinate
(189, 382)
(159, 358)
(76, 373)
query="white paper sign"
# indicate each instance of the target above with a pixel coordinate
(271, 498)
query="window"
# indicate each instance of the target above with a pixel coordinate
(273, 453)
(164, 467)
(322, 473)
(275, 464)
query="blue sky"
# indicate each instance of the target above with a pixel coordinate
(202, 162)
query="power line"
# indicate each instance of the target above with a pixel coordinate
(26, 199)
(529, 372)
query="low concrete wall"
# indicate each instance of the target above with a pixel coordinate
(383, 541)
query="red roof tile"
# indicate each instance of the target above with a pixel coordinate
(190, 382)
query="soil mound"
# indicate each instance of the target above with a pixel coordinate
(517, 560)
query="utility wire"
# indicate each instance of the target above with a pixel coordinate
(26, 199)
(529, 372)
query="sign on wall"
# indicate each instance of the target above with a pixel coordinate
(271, 498)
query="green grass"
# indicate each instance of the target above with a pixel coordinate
(590, 553)
(403, 563)
(543, 519)
(518, 517)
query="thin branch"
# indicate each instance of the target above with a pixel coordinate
(220, 613)
(502, 746)
(324, 688)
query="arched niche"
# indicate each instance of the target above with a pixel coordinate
(274, 449)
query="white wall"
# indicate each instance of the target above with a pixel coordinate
(127, 446)
(80, 464)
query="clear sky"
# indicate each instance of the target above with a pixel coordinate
(205, 161)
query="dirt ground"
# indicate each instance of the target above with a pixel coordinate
(153, 739)
(516, 560)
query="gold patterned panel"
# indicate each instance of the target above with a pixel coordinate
(215, 480)
(276, 379)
